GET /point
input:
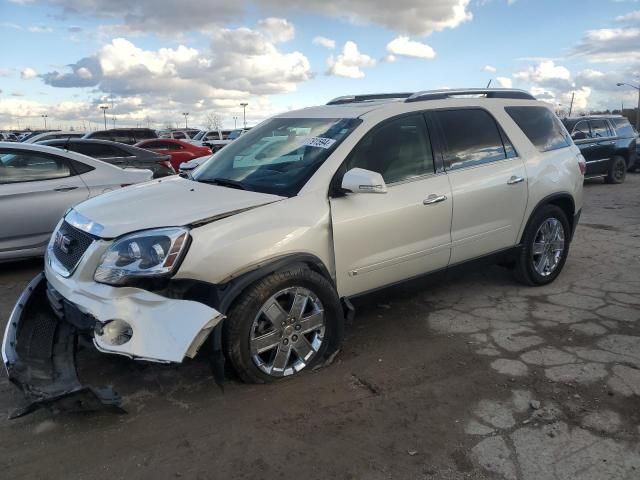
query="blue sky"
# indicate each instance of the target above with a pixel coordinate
(158, 58)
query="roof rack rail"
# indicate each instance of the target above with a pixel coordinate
(368, 97)
(487, 92)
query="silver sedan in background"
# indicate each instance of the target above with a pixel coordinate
(38, 184)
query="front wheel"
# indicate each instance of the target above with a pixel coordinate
(617, 171)
(545, 246)
(282, 325)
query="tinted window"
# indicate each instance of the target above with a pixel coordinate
(471, 138)
(18, 166)
(156, 145)
(398, 150)
(540, 126)
(98, 150)
(123, 137)
(101, 135)
(599, 129)
(80, 168)
(623, 127)
(179, 135)
(143, 134)
(212, 136)
(581, 130)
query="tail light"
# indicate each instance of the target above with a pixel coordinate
(582, 164)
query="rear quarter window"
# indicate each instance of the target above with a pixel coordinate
(623, 128)
(541, 126)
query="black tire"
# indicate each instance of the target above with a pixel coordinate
(524, 270)
(238, 325)
(617, 171)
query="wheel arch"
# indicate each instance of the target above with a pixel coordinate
(563, 200)
(221, 296)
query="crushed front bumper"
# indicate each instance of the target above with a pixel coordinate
(41, 336)
(38, 351)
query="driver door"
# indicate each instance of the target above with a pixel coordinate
(380, 239)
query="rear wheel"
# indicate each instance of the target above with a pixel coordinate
(545, 247)
(617, 171)
(283, 324)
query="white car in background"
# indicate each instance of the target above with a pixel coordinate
(41, 137)
(38, 184)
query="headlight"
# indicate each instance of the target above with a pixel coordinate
(152, 253)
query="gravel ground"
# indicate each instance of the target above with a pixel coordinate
(472, 377)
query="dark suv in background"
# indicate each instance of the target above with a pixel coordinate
(608, 144)
(130, 136)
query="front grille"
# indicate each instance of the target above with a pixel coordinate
(74, 241)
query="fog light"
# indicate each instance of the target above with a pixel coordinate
(115, 332)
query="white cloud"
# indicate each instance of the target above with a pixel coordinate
(489, 69)
(276, 30)
(28, 73)
(546, 74)
(349, 62)
(40, 29)
(416, 17)
(629, 17)
(324, 42)
(505, 82)
(403, 46)
(610, 45)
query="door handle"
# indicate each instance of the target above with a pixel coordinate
(433, 198)
(513, 180)
(64, 189)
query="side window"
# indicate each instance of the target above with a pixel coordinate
(24, 166)
(623, 127)
(80, 168)
(94, 150)
(471, 137)
(540, 126)
(179, 135)
(581, 131)
(398, 150)
(212, 136)
(599, 129)
(156, 145)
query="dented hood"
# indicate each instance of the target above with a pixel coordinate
(166, 202)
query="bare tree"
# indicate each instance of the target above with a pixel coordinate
(214, 121)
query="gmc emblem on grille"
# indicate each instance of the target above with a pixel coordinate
(63, 242)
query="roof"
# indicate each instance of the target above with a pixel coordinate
(354, 106)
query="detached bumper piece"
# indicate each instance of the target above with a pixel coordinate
(39, 354)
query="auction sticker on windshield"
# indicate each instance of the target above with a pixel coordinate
(318, 142)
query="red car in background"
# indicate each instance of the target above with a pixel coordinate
(179, 151)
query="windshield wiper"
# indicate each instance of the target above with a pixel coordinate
(225, 182)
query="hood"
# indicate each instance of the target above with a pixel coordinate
(167, 202)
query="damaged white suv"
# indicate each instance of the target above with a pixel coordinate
(262, 247)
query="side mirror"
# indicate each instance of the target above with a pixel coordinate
(359, 180)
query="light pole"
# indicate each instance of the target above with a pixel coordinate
(638, 110)
(44, 117)
(235, 122)
(104, 112)
(186, 114)
(244, 113)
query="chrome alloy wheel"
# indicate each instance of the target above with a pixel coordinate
(287, 332)
(548, 247)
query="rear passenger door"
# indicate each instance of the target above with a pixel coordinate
(488, 182)
(603, 148)
(35, 190)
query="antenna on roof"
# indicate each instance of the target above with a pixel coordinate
(489, 84)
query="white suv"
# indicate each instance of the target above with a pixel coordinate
(268, 240)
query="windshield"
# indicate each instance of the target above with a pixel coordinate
(279, 156)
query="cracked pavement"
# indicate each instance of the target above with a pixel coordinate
(473, 377)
